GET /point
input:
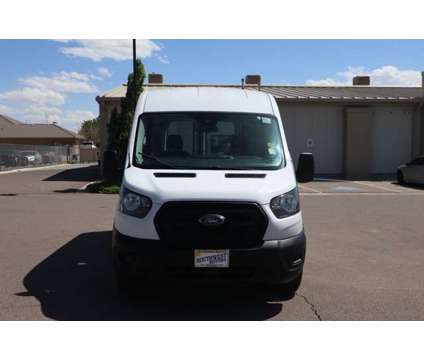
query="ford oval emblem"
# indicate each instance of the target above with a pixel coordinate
(212, 220)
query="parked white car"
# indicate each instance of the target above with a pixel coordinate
(209, 191)
(30, 157)
(412, 172)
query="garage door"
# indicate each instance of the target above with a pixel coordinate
(391, 138)
(315, 128)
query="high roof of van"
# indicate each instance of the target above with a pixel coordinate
(207, 99)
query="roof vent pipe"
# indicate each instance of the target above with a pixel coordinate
(422, 84)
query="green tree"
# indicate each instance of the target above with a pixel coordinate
(120, 123)
(90, 130)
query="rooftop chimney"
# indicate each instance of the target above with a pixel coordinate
(155, 78)
(253, 80)
(361, 80)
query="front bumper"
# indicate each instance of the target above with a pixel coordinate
(275, 261)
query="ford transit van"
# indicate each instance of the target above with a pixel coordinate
(209, 191)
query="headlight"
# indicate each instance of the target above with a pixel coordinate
(286, 204)
(134, 204)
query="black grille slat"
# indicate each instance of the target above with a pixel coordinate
(177, 224)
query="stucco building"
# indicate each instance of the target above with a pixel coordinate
(357, 130)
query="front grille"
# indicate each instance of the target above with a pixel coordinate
(177, 224)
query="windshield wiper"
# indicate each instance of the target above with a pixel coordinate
(153, 157)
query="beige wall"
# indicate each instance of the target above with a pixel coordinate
(358, 142)
(106, 107)
(354, 140)
(316, 128)
(89, 155)
(392, 138)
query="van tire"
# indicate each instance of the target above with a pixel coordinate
(399, 176)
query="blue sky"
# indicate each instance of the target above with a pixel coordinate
(43, 80)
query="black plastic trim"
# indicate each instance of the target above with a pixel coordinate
(174, 175)
(244, 176)
(274, 261)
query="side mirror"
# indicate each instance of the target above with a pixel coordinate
(110, 166)
(305, 167)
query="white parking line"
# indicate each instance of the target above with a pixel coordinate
(402, 193)
(377, 186)
(309, 188)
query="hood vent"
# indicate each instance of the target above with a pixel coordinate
(174, 175)
(245, 176)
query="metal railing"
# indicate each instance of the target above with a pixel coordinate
(13, 156)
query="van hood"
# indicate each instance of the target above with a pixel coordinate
(210, 185)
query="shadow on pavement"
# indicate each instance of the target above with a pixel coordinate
(408, 186)
(88, 173)
(75, 283)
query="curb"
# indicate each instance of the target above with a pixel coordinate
(84, 188)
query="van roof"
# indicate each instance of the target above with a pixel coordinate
(207, 99)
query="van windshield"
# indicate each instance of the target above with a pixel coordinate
(208, 140)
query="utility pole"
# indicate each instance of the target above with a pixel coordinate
(134, 64)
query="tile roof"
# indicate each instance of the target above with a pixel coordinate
(16, 129)
(8, 120)
(311, 93)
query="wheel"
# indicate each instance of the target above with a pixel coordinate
(400, 179)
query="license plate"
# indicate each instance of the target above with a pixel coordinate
(211, 258)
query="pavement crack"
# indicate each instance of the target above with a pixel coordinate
(312, 306)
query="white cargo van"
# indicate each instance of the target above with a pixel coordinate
(209, 191)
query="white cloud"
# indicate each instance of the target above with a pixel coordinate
(4, 109)
(326, 82)
(64, 82)
(163, 59)
(391, 75)
(118, 50)
(42, 98)
(73, 119)
(33, 95)
(385, 75)
(104, 72)
(43, 114)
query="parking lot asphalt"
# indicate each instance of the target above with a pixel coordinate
(364, 257)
